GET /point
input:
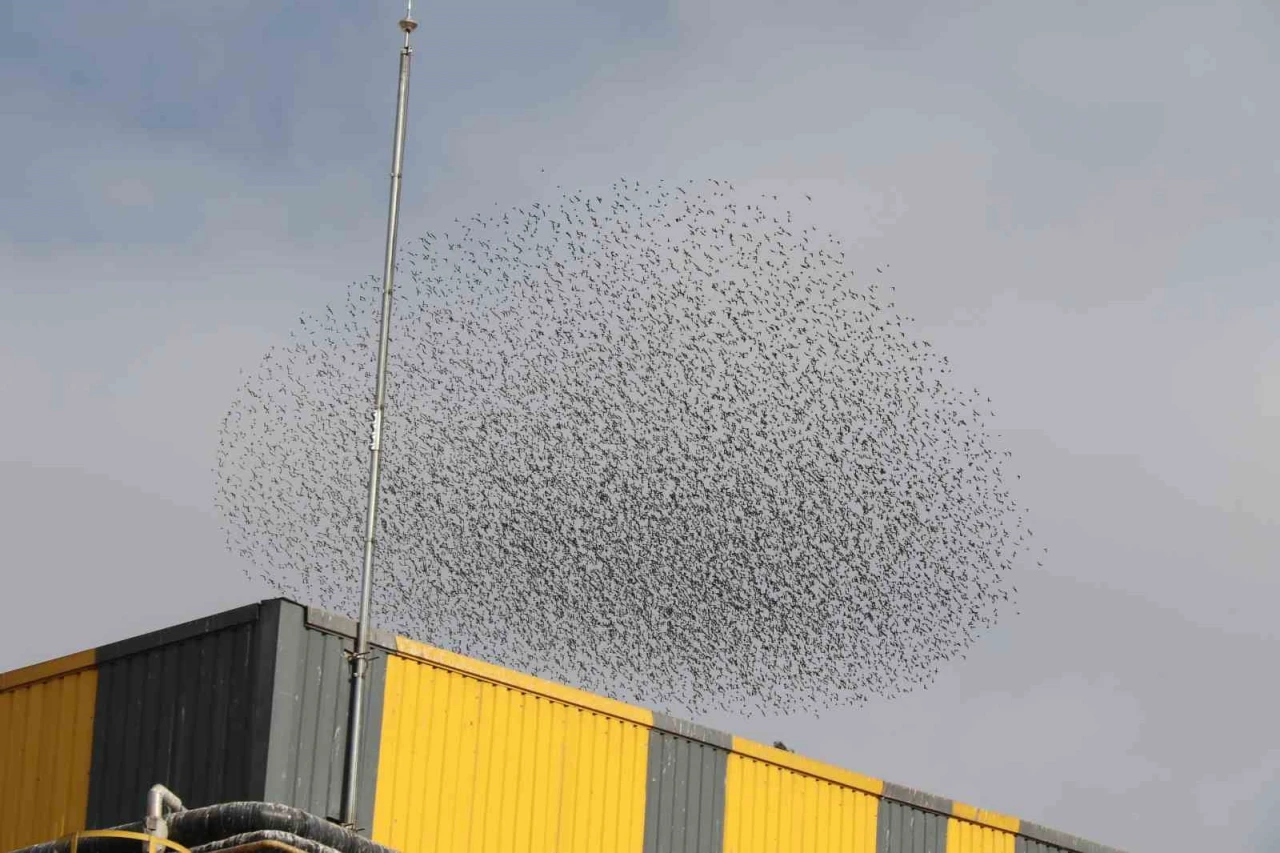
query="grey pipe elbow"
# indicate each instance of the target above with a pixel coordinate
(159, 797)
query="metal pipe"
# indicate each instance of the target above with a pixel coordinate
(359, 659)
(157, 798)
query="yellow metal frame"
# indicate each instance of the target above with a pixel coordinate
(264, 844)
(151, 840)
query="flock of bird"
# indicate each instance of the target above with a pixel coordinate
(651, 441)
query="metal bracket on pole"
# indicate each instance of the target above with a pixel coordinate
(353, 656)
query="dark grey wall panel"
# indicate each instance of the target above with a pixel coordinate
(912, 797)
(1040, 839)
(178, 707)
(684, 799)
(1028, 845)
(311, 691)
(250, 704)
(334, 623)
(903, 828)
(692, 731)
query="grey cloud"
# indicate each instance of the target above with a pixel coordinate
(1077, 203)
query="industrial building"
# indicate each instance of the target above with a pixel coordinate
(458, 755)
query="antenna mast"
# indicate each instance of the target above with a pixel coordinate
(360, 658)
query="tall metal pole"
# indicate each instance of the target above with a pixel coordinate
(360, 659)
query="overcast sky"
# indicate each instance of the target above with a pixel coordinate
(1077, 200)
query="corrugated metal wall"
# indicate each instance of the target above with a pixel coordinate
(459, 754)
(774, 804)
(684, 798)
(248, 704)
(311, 691)
(904, 828)
(1040, 839)
(183, 707)
(484, 764)
(46, 735)
(966, 837)
(973, 830)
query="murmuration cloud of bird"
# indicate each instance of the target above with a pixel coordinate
(652, 441)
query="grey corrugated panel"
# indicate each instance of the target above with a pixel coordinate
(333, 671)
(920, 799)
(308, 738)
(1035, 838)
(684, 800)
(286, 705)
(335, 623)
(175, 707)
(311, 690)
(710, 792)
(323, 623)
(372, 742)
(1031, 845)
(904, 828)
(692, 731)
(264, 671)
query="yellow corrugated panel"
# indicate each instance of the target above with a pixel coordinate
(519, 680)
(46, 738)
(47, 669)
(807, 766)
(963, 836)
(983, 816)
(478, 758)
(779, 802)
